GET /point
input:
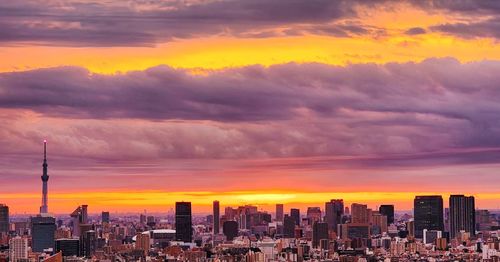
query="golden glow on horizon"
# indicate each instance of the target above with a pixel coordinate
(218, 53)
(160, 201)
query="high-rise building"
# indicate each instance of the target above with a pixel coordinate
(45, 179)
(88, 241)
(68, 246)
(230, 229)
(380, 221)
(216, 217)
(295, 213)
(360, 213)
(313, 215)
(4, 218)
(142, 242)
(279, 212)
(79, 217)
(462, 215)
(320, 232)
(387, 210)
(183, 222)
(43, 229)
(430, 236)
(428, 214)
(289, 224)
(18, 249)
(333, 213)
(105, 217)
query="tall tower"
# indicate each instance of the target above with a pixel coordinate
(45, 178)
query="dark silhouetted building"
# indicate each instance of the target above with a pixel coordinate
(279, 212)
(68, 246)
(295, 213)
(230, 229)
(289, 226)
(88, 242)
(320, 232)
(388, 211)
(183, 222)
(216, 217)
(462, 215)
(105, 217)
(428, 214)
(333, 213)
(43, 229)
(4, 218)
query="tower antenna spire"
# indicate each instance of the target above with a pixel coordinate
(45, 178)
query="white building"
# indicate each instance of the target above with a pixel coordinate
(18, 248)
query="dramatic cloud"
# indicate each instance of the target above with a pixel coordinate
(415, 31)
(290, 110)
(136, 23)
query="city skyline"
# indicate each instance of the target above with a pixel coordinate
(147, 103)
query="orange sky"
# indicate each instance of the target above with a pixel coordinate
(385, 39)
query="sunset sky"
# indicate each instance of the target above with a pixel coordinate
(148, 102)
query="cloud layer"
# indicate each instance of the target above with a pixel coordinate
(290, 110)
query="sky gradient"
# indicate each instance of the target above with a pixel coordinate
(145, 103)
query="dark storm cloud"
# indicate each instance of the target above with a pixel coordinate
(136, 23)
(471, 7)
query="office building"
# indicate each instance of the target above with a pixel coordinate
(216, 218)
(18, 249)
(289, 224)
(88, 242)
(333, 213)
(68, 246)
(295, 214)
(428, 214)
(430, 236)
(183, 222)
(279, 212)
(360, 213)
(230, 229)
(388, 211)
(462, 215)
(4, 218)
(320, 232)
(79, 217)
(105, 217)
(379, 221)
(43, 229)
(313, 215)
(142, 242)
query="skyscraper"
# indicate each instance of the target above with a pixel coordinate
(295, 213)
(4, 218)
(320, 231)
(45, 179)
(42, 233)
(387, 210)
(333, 213)
(360, 213)
(183, 222)
(105, 217)
(462, 215)
(216, 217)
(428, 214)
(313, 215)
(289, 226)
(230, 229)
(279, 212)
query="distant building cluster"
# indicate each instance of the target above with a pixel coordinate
(334, 232)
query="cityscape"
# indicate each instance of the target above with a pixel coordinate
(334, 232)
(249, 130)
